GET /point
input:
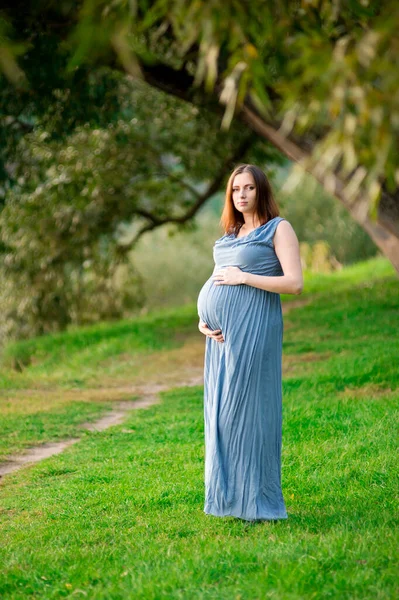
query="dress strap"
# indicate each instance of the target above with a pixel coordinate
(271, 230)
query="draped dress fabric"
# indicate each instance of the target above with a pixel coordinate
(243, 383)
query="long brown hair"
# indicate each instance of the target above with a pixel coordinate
(266, 206)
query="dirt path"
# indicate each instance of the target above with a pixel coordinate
(148, 397)
(180, 367)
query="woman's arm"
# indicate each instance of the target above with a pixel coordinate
(286, 247)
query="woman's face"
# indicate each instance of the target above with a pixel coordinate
(244, 193)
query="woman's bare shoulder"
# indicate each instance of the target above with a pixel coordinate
(285, 233)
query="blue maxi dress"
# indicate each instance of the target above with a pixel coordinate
(243, 383)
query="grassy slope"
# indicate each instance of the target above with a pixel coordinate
(120, 514)
(56, 392)
(73, 358)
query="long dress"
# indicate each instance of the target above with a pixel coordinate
(243, 383)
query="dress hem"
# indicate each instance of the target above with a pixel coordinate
(238, 515)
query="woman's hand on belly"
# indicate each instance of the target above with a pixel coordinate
(215, 334)
(228, 276)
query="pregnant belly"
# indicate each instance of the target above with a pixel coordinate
(230, 306)
(210, 304)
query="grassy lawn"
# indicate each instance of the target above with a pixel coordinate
(120, 514)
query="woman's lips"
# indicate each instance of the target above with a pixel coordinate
(243, 202)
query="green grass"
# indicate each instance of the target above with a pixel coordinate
(19, 433)
(120, 514)
(73, 358)
(361, 273)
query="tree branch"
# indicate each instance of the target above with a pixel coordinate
(385, 239)
(228, 164)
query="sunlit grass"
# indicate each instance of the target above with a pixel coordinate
(120, 514)
(73, 358)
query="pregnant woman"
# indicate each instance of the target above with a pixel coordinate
(240, 314)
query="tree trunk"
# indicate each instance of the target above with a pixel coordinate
(384, 231)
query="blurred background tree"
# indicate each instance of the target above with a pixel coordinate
(80, 201)
(117, 119)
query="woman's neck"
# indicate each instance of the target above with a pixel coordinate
(250, 222)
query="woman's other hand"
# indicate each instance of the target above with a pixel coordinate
(215, 334)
